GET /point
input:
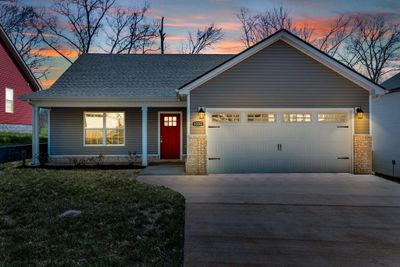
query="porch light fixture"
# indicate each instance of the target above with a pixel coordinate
(201, 112)
(359, 112)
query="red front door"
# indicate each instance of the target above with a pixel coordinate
(170, 136)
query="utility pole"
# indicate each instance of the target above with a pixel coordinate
(162, 35)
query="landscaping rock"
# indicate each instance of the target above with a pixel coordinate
(70, 213)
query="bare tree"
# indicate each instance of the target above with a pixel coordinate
(83, 18)
(202, 39)
(259, 26)
(127, 31)
(374, 47)
(338, 33)
(162, 35)
(18, 22)
(248, 24)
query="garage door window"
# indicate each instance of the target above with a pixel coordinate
(261, 117)
(332, 117)
(225, 117)
(297, 117)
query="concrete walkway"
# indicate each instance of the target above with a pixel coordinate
(288, 219)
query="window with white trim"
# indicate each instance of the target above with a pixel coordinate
(297, 117)
(104, 128)
(261, 117)
(225, 117)
(9, 104)
(332, 117)
(170, 121)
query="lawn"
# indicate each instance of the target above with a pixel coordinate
(11, 138)
(123, 222)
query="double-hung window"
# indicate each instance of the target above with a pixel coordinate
(104, 128)
(9, 100)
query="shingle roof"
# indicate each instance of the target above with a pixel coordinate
(392, 83)
(128, 76)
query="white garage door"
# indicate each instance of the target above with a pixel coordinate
(279, 141)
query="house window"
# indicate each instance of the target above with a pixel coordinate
(170, 121)
(104, 128)
(297, 117)
(225, 117)
(263, 117)
(9, 100)
(332, 117)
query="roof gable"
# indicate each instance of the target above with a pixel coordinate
(392, 83)
(18, 59)
(298, 44)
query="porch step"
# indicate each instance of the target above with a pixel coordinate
(166, 161)
(164, 168)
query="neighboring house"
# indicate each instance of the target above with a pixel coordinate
(386, 131)
(279, 106)
(15, 80)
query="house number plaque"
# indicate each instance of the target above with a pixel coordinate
(198, 123)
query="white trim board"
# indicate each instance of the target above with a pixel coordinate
(298, 44)
(180, 130)
(107, 103)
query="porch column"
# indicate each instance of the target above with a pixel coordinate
(35, 136)
(144, 135)
(48, 131)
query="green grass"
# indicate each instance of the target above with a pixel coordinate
(123, 222)
(11, 138)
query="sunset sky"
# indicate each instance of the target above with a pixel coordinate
(186, 15)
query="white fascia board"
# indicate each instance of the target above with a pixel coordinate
(297, 44)
(106, 103)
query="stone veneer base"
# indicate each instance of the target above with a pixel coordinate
(196, 160)
(362, 153)
(16, 128)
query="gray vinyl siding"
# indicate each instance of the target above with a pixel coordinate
(386, 134)
(66, 130)
(280, 76)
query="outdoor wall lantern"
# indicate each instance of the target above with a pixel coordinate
(360, 113)
(201, 112)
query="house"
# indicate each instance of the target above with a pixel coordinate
(16, 79)
(279, 106)
(386, 131)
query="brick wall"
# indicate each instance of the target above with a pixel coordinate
(196, 161)
(362, 145)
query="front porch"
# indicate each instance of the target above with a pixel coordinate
(147, 134)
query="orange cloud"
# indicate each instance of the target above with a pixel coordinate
(228, 47)
(318, 25)
(47, 83)
(229, 26)
(184, 24)
(175, 38)
(52, 53)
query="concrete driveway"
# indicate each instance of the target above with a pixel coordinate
(288, 219)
